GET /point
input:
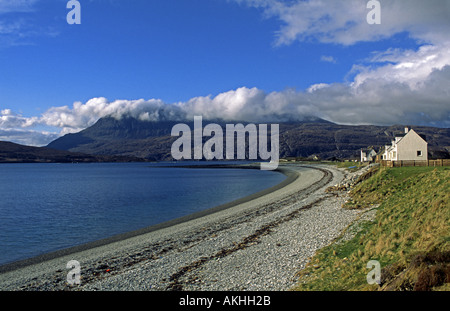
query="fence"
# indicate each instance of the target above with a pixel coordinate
(401, 163)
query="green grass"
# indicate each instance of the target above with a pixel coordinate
(412, 222)
(347, 164)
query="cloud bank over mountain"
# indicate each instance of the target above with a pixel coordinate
(391, 94)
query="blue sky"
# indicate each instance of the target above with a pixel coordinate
(260, 60)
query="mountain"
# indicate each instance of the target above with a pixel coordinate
(15, 153)
(311, 137)
(125, 137)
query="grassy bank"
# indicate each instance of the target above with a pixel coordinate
(409, 235)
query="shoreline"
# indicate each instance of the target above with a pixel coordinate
(184, 256)
(290, 177)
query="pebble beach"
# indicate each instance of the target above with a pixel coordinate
(256, 244)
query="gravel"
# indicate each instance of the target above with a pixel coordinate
(256, 245)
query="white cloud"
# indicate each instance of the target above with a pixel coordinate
(344, 22)
(410, 67)
(316, 87)
(18, 27)
(383, 101)
(79, 116)
(7, 6)
(28, 137)
(9, 119)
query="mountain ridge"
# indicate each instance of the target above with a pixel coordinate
(15, 153)
(312, 137)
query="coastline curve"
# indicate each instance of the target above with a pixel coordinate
(165, 258)
(290, 174)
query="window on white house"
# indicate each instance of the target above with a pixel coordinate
(419, 153)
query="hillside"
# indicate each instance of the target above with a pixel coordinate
(152, 140)
(15, 153)
(409, 235)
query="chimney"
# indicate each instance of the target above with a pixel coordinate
(406, 130)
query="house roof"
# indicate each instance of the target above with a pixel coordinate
(366, 150)
(381, 151)
(423, 136)
(411, 130)
(389, 148)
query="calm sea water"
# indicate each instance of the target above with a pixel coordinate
(46, 207)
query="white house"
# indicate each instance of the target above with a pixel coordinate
(408, 146)
(368, 155)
